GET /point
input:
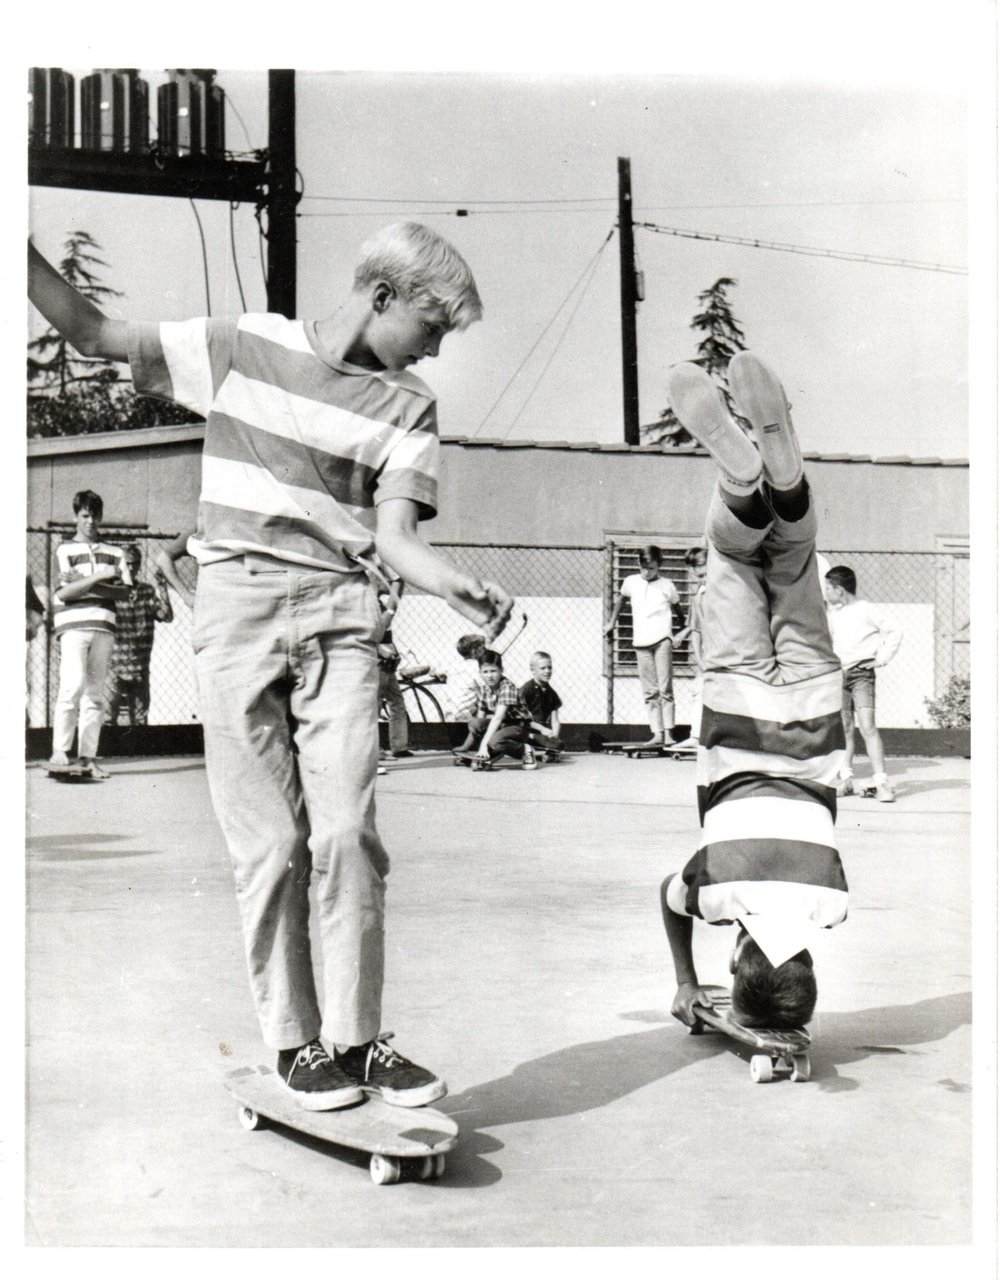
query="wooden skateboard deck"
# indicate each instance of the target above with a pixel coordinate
(643, 750)
(70, 773)
(781, 1051)
(400, 1140)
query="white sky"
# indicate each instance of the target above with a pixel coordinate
(874, 357)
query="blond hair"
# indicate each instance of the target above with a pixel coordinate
(423, 268)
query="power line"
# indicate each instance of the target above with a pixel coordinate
(844, 255)
(232, 251)
(610, 200)
(204, 256)
(591, 263)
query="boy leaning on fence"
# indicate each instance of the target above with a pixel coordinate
(320, 450)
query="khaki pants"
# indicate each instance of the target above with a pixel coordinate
(656, 677)
(288, 689)
(83, 667)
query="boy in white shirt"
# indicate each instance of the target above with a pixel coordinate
(864, 638)
(653, 600)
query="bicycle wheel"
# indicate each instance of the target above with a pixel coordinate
(425, 702)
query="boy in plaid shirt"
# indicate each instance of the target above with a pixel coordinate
(501, 721)
(137, 616)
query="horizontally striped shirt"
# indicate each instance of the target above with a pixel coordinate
(299, 447)
(91, 612)
(767, 767)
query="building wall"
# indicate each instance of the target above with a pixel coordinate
(537, 495)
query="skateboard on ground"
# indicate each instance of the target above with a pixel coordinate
(475, 762)
(402, 1141)
(644, 751)
(73, 772)
(775, 1051)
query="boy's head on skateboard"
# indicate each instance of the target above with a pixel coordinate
(765, 995)
(88, 512)
(412, 289)
(840, 586)
(541, 667)
(471, 646)
(490, 668)
(650, 559)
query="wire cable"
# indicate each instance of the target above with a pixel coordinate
(843, 255)
(204, 255)
(534, 345)
(232, 252)
(555, 350)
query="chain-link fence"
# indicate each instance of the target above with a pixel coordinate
(565, 594)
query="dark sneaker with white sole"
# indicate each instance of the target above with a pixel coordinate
(386, 1073)
(314, 1080)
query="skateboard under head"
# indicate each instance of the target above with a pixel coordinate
(391, 1135)
(775, 1049)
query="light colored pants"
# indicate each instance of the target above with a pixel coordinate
(83, 669)
(656, 677)
(288, 688)
(390, 693)
(763, 604)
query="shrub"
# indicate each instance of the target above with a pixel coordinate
(953, 710)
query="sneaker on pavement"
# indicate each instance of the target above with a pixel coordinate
(845, 786)
(699, 406)
(529, 760)
(885, 793)
(761, 399)
(314, 1080)
(381, 1070)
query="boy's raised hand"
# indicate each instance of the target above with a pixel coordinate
(484, 603)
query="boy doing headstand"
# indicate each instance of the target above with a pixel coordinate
(771, 733)
(321, 450)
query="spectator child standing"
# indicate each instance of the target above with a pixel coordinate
(543, 703)
(653, 599)
(321, 451)
(864, 638)
(92, 576)
(137, 616)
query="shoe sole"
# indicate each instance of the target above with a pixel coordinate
(761, 398)
(409, 1097)
(332, 1100)
(700, 408)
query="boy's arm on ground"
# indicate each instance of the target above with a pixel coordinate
(89, 330)
(680, 930)
(555, 726)
(404, 551)
(492, 727)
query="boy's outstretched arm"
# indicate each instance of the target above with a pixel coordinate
(88, 329)
(679, 933)
(399, 544)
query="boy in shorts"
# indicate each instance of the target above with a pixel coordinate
(771, 734)
(321, 452)
(864, 638)
(543, 703)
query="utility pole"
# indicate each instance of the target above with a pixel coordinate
(629, 301)
(281, 200)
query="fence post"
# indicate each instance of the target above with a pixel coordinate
(48, 628)
(609, 640)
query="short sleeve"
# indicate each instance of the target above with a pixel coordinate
(184, 361)
(412, 466)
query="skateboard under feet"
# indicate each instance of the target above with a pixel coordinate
(74, 772)
(776, 1052)
(648, 751)
(403, 1142)
(472, 760)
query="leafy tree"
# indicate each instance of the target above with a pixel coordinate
(71, 395)
(722, 338)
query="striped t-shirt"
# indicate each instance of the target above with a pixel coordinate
(299, 447)
(767, 768)
(91, 612)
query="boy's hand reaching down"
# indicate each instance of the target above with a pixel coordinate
(485, 604)
(688, 995)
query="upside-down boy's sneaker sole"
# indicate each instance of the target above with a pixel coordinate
(761, 399)
(699, 406)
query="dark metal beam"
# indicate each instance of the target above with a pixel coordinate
(194, 177)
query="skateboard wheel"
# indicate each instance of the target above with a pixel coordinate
(438, 1166)
(801, 1067)
(249, 1119)
(761, 1068)
(384, 1170)
(424, 1168)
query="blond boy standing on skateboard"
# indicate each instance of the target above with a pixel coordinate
(772, 738)
(321, 449)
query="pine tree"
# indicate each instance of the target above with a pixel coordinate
(722, 338)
